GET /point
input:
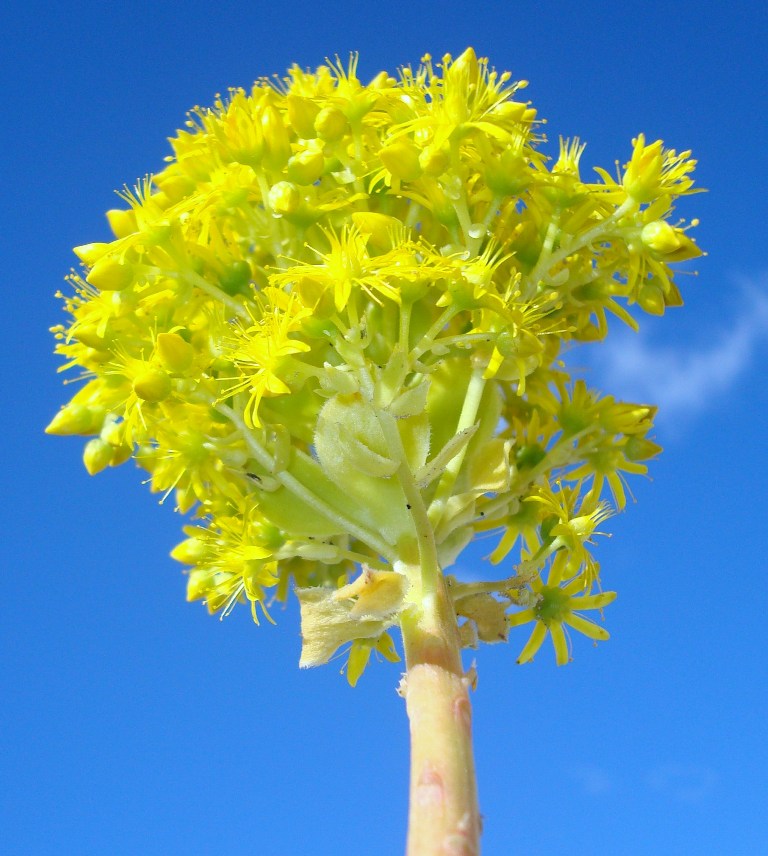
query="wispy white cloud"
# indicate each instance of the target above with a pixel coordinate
(593, 780)
(685, 783)
(686, 380)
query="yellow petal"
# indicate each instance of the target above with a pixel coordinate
(534, 643)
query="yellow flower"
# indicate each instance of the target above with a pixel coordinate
(345, 267)
(654, 171)
(229, 562)
(260, 355)
(557, 607)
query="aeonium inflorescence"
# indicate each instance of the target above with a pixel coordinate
(332, 325)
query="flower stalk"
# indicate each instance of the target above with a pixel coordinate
(443, 815)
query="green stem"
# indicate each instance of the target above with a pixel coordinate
(548, 259)
(429, 565)
(466, 420)
(444, 816)
(217, 294)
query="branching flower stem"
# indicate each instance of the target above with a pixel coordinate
(549, 259)
(301, 492)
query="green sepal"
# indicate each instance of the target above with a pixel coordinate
(434, 468)
(411, 402)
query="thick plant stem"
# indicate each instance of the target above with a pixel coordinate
(444, 818)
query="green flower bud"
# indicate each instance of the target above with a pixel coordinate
(235, 278)
(509, 175)
(641, 449)
(651, 298)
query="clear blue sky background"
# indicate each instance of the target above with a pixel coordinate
(133, 723)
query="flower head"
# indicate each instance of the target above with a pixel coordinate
(332, 324)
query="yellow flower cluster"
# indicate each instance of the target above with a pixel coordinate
(332, 326)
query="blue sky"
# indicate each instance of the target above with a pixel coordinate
(133, 723)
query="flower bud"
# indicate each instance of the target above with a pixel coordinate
(120, 454)
(435, 161)
(660, 236)
(667, 241)
(185, 498)
(108, 274)
(199, 583)
(175, 187)
(306, 167)
(641, 449)
(284, 198)
(508, 175)
(651, 298)
(88, 335)
(276, 138)
(331, 124)
(190, 551)
(513, 111)
(411, 289)
(235, 278)
(465, 64)
(153, 385)
(401, 158)
(113, 432)
(122, 223)
(302, 113)
(642, 176)
(175, 354)
(76, 418)
(97, 455)
(382, 81)
(89, 254)
(379, 227)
